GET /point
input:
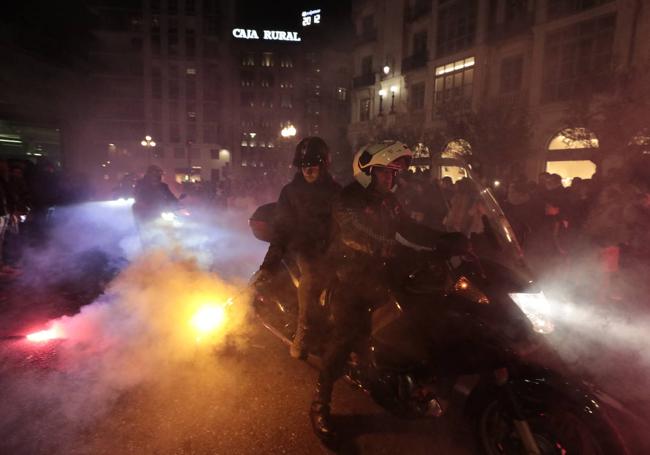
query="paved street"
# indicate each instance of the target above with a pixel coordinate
(112, 390)
(247, 402)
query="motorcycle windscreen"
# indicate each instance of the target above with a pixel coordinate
(474, 211)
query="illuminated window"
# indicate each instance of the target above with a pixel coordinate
(267, 81)
(248, 59)
(453, 82)
(267, 59)
(573, 138)
(286, 62)
(190, 71)
(247, 79)
(342, 94)
(569, 154)
(421, 151)
(456, 148)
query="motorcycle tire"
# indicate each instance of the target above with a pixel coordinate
(557, 430)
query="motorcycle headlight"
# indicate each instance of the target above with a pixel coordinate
(464, 288)
(537, 309)
(168, 216)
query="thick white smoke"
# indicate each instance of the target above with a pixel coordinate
(142, 331)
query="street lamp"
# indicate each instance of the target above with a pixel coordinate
(393, 90)
(288, 131)
(382, 94)
(149, 144)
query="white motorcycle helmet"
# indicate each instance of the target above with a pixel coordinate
(391, 154)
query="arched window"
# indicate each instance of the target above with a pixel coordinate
(454, 150)
(421, 158)
(457, 148)
(571, 153)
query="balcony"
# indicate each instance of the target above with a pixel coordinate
(367, 36)
(415, 62)
(364, 80)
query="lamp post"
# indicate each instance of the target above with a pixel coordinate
(288, 132)
(393, 91)
(382, 94)
(148, 143)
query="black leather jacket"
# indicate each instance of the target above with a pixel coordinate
(367, 225)
(303, 221)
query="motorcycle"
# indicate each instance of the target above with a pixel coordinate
(455, 316)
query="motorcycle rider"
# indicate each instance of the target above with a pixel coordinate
(152, 197)
(303, 227)
(369, 219)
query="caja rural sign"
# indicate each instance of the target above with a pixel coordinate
(270, 35)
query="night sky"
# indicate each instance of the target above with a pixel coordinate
(285, 14)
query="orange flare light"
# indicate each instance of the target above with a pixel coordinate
(41, 336)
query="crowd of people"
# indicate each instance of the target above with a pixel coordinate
(603, 220)
(28, 191)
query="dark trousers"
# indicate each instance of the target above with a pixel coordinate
(351, 310)
(313, 279)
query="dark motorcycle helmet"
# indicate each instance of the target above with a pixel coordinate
(311, 151)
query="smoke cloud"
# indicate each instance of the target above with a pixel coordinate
(141, 332)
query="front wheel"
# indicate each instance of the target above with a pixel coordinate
(556, 430)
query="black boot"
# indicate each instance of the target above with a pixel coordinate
(319, 414)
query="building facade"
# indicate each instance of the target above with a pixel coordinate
(215, 91)
(417, 62)
(289, 82)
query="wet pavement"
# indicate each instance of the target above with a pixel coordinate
(249, 401)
